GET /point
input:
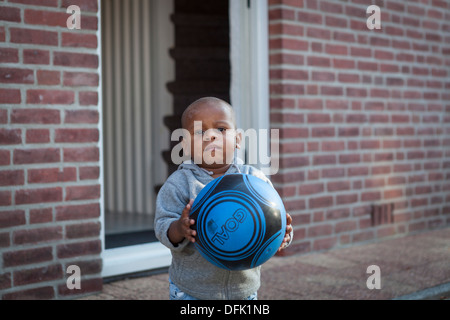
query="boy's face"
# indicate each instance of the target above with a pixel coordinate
(213, 137)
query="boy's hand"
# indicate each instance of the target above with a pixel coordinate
(181, 229)
(287, 236)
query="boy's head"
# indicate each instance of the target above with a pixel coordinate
(212, 139)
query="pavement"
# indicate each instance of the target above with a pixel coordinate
(412, 267)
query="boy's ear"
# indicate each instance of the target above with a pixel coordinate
(186, 144)
(238, 140)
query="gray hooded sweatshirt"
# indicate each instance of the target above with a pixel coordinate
(191, 272)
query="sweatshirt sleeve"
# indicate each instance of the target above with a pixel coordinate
(170, 202)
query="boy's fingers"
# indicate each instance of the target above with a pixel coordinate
(288, 219)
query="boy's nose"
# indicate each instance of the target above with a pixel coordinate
(210, 135)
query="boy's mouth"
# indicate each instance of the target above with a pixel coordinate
(212, 147)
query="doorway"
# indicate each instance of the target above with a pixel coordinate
(157, 57)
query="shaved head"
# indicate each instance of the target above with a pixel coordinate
(199, 108)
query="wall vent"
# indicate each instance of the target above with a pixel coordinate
(382, 214)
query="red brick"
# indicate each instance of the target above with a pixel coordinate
(358, 171)
(46, 77)
(41, 215)
(11, 178)
(27, 256)
(90, 173)
(324, 160)
(5, 198)
(41, 293)
(83, 230)
(35, 275)
(5, 157)
(32, 36)
(71, 39)
(88, 98)
(12, 218)
(338, 186)
(309, 17)
(29, 156)
(9, 55)
(320, 230)
(82, 192)
(80, 79)
(343, 64)
(34, 236)
(14, 75)
(345, 226)
(87, 286)
(328, 146)
(41, 195)
(286, 29)
(81, 116)
(4, 243)
(90, 154)
(394, 193)
(85, 5)
(333, 173)
(10, 14)
(10, 136)
(39, 96)
(38, 136)
(319, 61)
(77, 212)
(52, 175)
(318, 118)
(36, 56)
(282, 13)
(323, 76)
(293, 162)
(318, 33)
(349, 158)
(5, 281)
(307, 189)
(75, 60)
(331, 91)
(321, 202)
(47, 3)
(76, 135)
(71, 250)
(323, 132)
(46, 18)
(38, 116)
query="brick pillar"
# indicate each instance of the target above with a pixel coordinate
(49, 149)
(364, 117)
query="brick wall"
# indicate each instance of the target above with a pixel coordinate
(49, 149)
(364, 118)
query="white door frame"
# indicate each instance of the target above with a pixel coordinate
(249, 96)
(250, 64)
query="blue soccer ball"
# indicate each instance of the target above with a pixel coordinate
(240, 221)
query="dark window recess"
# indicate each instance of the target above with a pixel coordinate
(382, 214)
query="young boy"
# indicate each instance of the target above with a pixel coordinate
(211, 125)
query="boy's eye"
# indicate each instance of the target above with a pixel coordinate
(199, 132)
(221, 129)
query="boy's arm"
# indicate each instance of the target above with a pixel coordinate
(170, 204)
